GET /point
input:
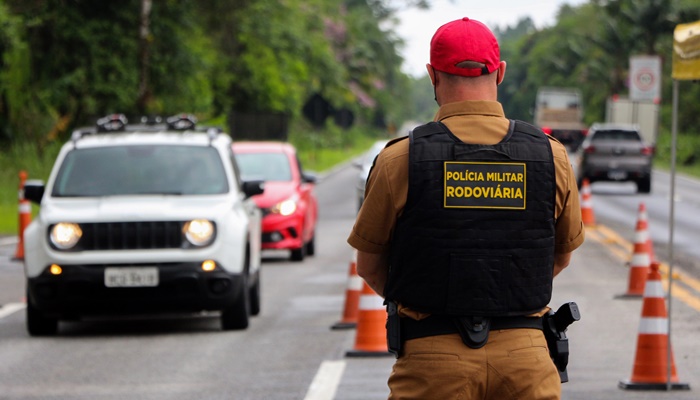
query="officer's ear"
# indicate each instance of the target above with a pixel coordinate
(500, 72)
(431, 73)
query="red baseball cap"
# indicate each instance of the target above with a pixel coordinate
(464, 40)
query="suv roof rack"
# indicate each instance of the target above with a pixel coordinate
(181, 122)
(147, 123)
(112, 123)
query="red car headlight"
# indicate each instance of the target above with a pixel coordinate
(286, 207)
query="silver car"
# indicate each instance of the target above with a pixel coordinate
(615, 152)
(364, 164)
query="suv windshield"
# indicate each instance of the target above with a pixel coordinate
(616, 135)
(141, 170)
(264, 166)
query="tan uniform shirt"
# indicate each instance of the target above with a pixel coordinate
(476, 122)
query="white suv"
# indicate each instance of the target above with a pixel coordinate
(143, 219)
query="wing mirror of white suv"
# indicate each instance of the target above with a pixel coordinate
(252, 188)
(34, 191)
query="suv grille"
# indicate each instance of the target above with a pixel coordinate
(131, 235)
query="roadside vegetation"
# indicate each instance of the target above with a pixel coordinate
(224, 60)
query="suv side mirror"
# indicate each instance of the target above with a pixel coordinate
(34, 191)
(252, 188)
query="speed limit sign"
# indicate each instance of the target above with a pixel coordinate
(645, 78)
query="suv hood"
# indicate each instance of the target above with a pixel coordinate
(135, 208)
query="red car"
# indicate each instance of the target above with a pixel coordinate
(289, 204)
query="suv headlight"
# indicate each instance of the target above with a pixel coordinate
(286, 207)
(65, 235)
(199, 232)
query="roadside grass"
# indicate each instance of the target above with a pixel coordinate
(319, 151)
(33, 160)
(687, 153)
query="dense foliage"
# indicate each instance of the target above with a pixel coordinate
(589, 48)
(64, 62)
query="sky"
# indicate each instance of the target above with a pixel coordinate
(416, 27)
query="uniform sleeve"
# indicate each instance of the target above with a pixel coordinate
(375, 220)
(569, 229)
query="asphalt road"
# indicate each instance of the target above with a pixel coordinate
(290, 352)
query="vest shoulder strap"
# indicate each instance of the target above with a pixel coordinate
(428, 129)
(524, 127)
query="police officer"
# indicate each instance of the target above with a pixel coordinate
(464, 225)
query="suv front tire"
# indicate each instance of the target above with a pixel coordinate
(37, 323)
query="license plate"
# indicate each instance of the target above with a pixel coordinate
(617, 175)
(131, 277)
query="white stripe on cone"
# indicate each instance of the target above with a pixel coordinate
(371, 302)
(653, 326)
(643, 215)
(640, 260)
(654, 288)
(641, 236)
(355, 283)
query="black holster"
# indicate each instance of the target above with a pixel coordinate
(393, 328)
(555, 325)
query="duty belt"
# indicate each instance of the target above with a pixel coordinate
(473, 330)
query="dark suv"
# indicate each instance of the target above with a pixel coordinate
(615, 152)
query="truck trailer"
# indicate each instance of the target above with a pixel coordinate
(559, 113)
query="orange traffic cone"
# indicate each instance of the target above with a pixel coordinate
(643, 228)
(25, 216)
(352, 298)
(641, 258)
(587, 204)
(650, 370)
(370, 338)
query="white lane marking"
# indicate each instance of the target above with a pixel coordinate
(8, 241)
(326, 381)
(11, 308)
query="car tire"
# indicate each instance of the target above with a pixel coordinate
(298, 254)
(37, 323)
(644, 185)
(254, 293)
(235, 316)
(311, 246)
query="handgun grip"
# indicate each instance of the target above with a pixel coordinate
(566, 315)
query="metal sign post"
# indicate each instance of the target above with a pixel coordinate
(686, 66)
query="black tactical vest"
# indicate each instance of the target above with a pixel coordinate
(476, 237)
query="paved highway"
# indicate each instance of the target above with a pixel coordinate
(290, 352)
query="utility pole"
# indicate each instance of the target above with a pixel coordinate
(144, 93)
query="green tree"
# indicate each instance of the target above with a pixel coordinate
(14, 79)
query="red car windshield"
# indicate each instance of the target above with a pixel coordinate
(264, 166)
